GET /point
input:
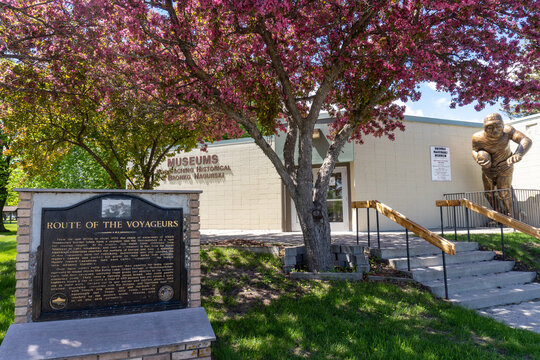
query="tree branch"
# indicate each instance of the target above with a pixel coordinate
(284, 80)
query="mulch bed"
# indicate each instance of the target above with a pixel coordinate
(239, 242)
(518, 265)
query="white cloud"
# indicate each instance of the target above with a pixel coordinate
(442, 102)
(408, 109)
(431, 85)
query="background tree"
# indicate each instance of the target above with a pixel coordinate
(50, 111)
(518, 110)
(252, 63)
(74, 170)
(5, 171)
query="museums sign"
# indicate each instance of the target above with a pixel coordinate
(197, 167)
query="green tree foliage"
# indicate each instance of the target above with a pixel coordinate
(16, 180)
(129, 139)
(75, 170)
(5, 160)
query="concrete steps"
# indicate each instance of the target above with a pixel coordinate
(415, 249)
(435, 260)
(475, 280)
(497, 296)
(459, 285)
(461, 270)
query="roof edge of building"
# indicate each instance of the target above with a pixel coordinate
(438, 121)
(324, 119)
(525, 118)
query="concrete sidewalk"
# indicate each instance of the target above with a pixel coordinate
(341, 237)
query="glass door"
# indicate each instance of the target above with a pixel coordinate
(337, 202)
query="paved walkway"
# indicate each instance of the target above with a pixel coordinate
(524, 316)
(343, 237)
(290, 238)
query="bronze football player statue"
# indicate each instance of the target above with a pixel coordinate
(491, 150)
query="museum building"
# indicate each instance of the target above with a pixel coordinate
(431, 158)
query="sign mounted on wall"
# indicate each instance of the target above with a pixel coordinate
(440, 163)
(202, 167)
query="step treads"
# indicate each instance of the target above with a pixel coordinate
(478, 282)
(462, 270)
(418, 249)
(434, 260)
(478, 299)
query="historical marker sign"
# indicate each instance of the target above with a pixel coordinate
(110, 254)
(440, 163)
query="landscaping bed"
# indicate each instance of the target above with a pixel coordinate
(250, 245)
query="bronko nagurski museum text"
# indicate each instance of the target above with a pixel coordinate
(491, 150)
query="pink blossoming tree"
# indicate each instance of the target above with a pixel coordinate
(269, 65)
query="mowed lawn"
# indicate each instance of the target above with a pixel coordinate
(259, 313)
(7, 278)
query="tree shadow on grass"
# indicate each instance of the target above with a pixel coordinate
(7, 283)
(9, 232)
(237, 281)
(7, 294)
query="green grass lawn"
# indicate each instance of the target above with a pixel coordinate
(341, 320)
(7, 278)
(518, 246)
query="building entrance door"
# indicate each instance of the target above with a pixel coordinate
(337, 201)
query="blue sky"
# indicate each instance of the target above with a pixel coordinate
(436, 104)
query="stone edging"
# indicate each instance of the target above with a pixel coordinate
(374, 278)
(355, 276)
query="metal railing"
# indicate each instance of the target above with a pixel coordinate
(445, 245)
(525, 207)
(500, 219)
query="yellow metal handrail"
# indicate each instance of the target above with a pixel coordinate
(443, 244)
(493, 215)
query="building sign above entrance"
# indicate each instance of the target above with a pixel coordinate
(199, 167)
(440, 164)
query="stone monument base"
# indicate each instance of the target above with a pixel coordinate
(162, 335)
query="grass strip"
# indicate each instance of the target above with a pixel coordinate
(7, 278)
(259, 313)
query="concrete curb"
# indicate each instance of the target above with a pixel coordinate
(327, 276)
(375, 278)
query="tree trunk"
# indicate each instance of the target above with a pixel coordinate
(147, 185)
(315, 227)
(2, 203)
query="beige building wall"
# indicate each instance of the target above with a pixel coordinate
(527, 171)
(245, 192)
(242, 190)
(398, 173)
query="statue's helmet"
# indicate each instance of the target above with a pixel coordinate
(493, 119)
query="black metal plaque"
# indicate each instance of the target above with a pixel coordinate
(109, 255)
